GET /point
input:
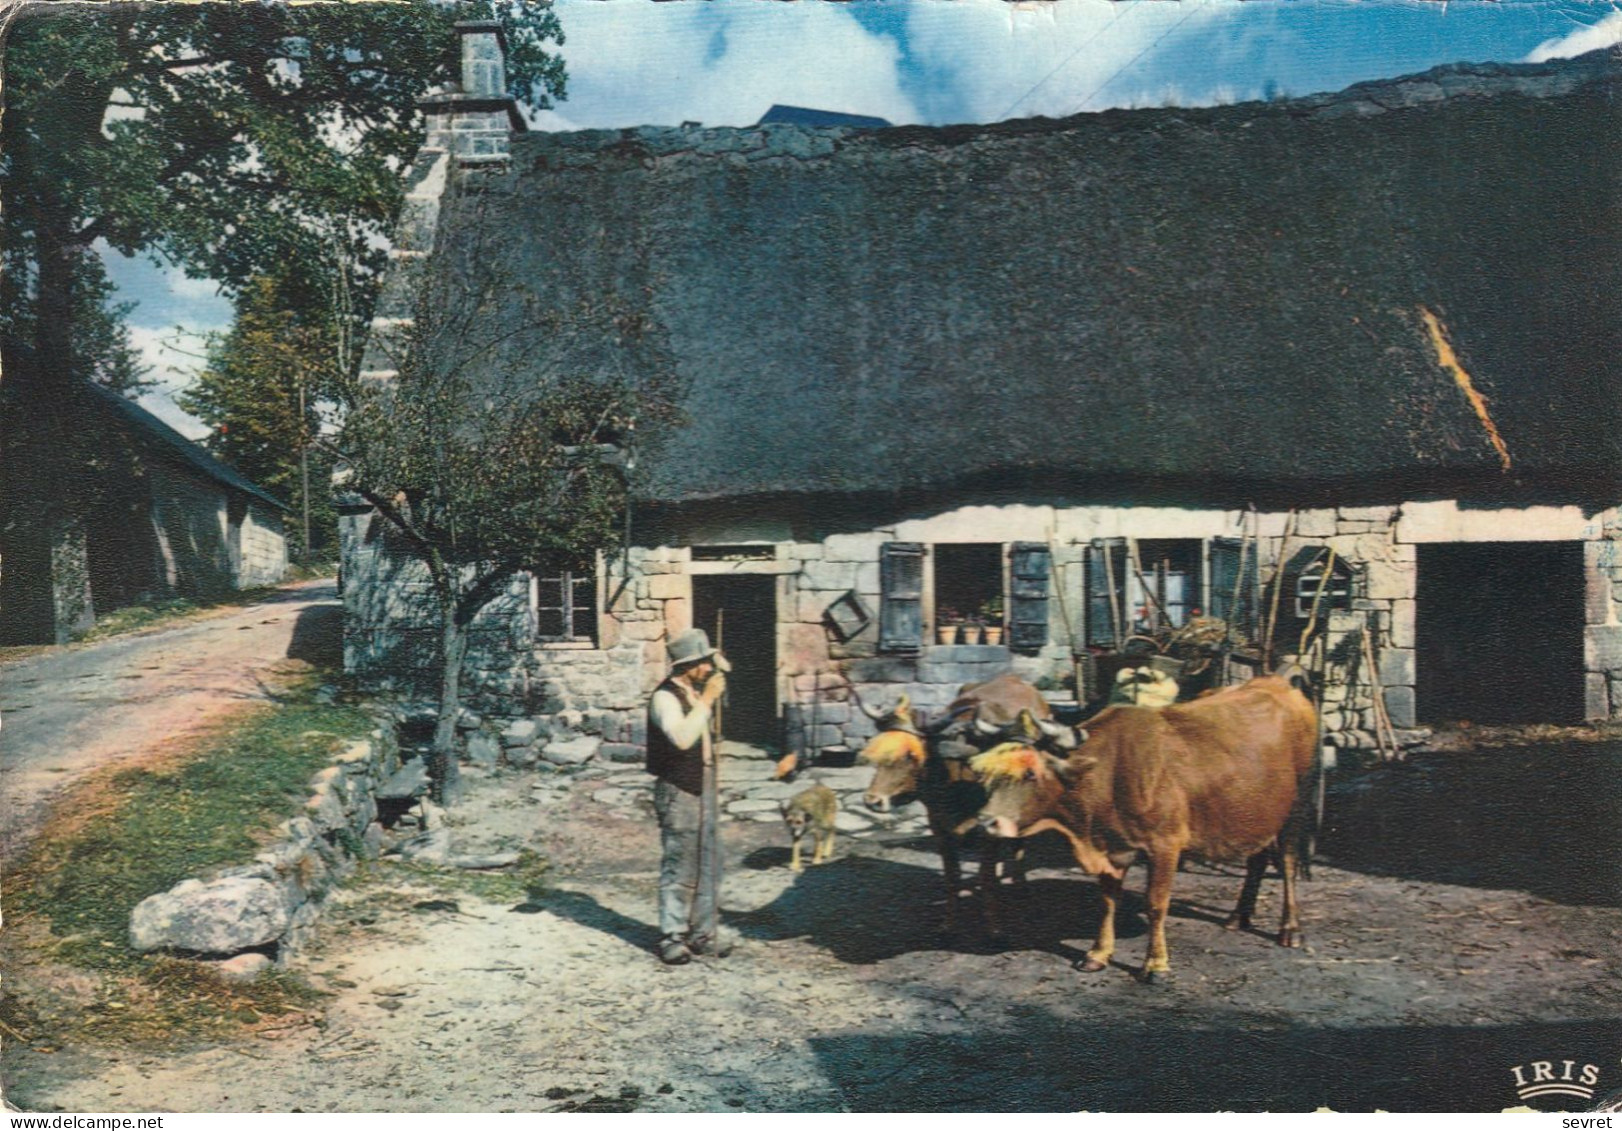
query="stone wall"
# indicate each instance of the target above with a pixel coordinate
(243, 918)
(189, 516)
(573, 691)
(263, 555)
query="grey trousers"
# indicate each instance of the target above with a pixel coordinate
(689, 871)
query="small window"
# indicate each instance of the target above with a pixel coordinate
(1167, 590)
(1312, 587)
(565, 605)
(968, 583)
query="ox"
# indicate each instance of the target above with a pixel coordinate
(1217, 777)
(930, 763)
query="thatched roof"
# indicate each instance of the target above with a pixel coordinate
(1203, 302)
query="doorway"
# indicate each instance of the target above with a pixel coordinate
(1499, 632)
(740, 614)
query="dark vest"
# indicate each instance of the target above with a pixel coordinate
(683, 769)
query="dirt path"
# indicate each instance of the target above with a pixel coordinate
(71, 710)
(1423, 985)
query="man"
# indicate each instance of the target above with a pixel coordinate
(682, 757)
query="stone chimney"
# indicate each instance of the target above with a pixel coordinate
(472, 120)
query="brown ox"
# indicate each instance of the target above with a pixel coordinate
(1216, 777)
(911, 759)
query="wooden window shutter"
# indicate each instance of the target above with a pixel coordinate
(901, 605)
(1106, 591)
(1234, 597)
(1030, 566)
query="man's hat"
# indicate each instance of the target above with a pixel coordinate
(692, 646)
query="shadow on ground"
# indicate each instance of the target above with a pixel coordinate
(1536, 818)
(318, 637)
(1041, 1062)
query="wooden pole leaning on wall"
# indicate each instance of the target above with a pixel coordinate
(1277, 582)
(1114, 597)
(1385, 735)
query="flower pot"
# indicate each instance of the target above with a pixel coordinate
(993, 634)
(973, 633)
(946, 634)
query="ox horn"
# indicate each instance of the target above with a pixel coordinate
(1066, 738)
(981, 727)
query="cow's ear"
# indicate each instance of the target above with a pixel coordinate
(1069, 769)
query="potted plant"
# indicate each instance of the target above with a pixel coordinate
(991, 616)
(973, 631)
(947, 622)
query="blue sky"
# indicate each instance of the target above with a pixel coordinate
(724, 62)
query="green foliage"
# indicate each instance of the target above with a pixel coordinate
(167, 824)
(233, 138)
(262, 392)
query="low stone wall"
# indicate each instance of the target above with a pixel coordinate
(245, 918)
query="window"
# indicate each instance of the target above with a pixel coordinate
(565, 605)
(968, 582)
(1164, 588)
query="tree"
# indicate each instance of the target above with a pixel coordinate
(263, 390)
(504, 443)
(224, 138)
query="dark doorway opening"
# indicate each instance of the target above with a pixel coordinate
(741, 612)
(1499, 628)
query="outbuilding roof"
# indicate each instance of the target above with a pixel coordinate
(1409, 285)
(165, 439)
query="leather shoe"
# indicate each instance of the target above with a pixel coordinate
(675, 952)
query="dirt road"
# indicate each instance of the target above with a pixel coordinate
(73, 709)
(1437, 962)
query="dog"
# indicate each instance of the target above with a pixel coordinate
(813, 809)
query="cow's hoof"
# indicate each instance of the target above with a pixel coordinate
(1155, 977)
(1091, 965)
(1291, 939)
(1237, 922)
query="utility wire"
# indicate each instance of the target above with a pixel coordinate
(1066, 61)
(1192, 6)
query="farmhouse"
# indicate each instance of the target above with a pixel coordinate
(163, 518)
(1342, 369)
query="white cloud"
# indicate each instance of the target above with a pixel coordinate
(1606, 33)
(173, 356)
(633, 62)
(1052, 60)
(191, 289)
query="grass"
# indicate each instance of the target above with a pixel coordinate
(131, 833)
(128, 833)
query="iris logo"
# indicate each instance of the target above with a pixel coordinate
(1539, 1078)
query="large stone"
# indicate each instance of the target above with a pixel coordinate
(431, 847)
(219, 917)
(1602, 648)
(1399, 706)
(624, 753)
(572, 751)
(1397, 667)
(521, 732)
(1597, 698)
(409, 781)
(483, 750)
(1402, 624)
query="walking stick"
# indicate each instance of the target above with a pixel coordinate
(709, 831)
